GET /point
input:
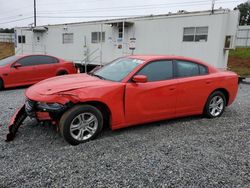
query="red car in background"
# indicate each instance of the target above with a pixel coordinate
(128, 91)
(20, 70)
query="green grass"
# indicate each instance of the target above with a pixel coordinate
(240, 53)
(244, 72)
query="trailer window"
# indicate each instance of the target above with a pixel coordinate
(97, 37)
(195, 34)
(68, 38)
(21, 39)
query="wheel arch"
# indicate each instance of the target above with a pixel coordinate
(104, 108)
(62, 72)
(224, 91)
(1, 79)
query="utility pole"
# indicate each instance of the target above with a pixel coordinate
(34, 13)
(213, 3)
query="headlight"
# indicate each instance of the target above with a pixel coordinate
(50, 106)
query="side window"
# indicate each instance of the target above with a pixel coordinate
(27, 61)
(41, 60)
(203, 70)
(157, 70)
(186, 69)
(37, 60)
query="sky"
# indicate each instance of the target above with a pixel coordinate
(19, 13)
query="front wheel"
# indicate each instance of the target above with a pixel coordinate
(215, 105)
(81, 124)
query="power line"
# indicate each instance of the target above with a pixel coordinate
(115, 16)
(17, 20)
(134, 6)
(190, 3)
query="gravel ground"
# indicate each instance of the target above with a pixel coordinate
(188, 152)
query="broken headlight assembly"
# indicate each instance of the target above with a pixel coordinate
(50, 107)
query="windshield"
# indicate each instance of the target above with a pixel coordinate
(8, 60)
(118, 69)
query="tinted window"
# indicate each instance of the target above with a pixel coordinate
(186, 69)
(27, 61)
(45, 60)
(8, 60)
(37, 60)
(203, 69)
(157, 70)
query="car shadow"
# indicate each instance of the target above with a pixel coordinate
(245, 82)
(15, 88)
(107, 132)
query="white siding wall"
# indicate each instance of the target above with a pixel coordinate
(154, 35)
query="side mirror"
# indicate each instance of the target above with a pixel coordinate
(140, 79)
(16, 65)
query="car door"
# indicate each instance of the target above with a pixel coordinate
(45, 66)
(155, 99)
(23, 74)
(194, 85)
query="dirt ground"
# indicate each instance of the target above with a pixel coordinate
(239, 65)
(6, 49)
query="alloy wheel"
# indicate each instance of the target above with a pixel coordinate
(83, 126)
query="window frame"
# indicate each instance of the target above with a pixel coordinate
(22, 39)
(120, 32)
(68, 41)
(100, 35)
(198, 64)
(195, 34)
(150, 62)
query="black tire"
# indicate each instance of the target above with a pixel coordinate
(63, 72)
(75, 114)
(1, 84)
(213, 107)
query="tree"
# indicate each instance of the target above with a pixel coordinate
(6, 30)
(244, 9)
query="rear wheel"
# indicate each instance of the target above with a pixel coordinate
(81, 124)
(215, 104)
(60, 73)
(1, 84)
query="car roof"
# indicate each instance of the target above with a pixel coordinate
(160, 57)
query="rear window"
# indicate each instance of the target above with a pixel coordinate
(8, 60)
(203, 70)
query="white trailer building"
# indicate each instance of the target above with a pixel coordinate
(202, 35)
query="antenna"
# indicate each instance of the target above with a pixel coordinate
(213, 3)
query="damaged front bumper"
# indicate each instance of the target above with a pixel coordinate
(15, 123)
(38, 110)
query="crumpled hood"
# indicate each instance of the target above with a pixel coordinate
(68, 82)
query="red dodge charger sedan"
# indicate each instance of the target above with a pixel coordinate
(128, 91)
(19, 70)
